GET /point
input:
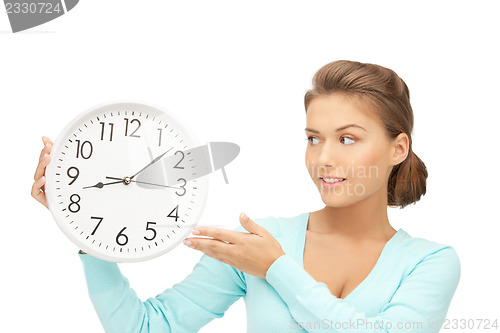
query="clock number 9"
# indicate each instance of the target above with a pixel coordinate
(74, 177)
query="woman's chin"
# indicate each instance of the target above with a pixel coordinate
(332, 199)
(336, 202)
(336, 197)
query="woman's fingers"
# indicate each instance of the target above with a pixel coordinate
(214, 248)
(47, 148)
(38, 193)
(44, 158)
(220, 233)
(218, 240)
(38, 188)
(40, 170)
(46, 139)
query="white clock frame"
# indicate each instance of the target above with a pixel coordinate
(73, 225)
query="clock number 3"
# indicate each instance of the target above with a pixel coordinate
(182, 187)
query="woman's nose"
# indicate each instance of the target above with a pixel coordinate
(327, 155)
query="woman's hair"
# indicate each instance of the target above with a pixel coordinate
(382, 88)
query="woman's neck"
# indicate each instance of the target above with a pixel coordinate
(365, 220)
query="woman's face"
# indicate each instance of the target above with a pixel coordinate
(363, 155)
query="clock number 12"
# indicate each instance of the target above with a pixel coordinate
(133, 133)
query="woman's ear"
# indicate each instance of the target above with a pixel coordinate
(400, 148)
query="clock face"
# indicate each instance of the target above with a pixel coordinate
(122, 183)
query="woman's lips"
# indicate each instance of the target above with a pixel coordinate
(328, 186)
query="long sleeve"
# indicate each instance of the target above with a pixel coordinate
(203, 295)
(423, 296)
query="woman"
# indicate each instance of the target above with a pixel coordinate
(343, 268)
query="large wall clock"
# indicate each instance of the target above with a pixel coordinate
(126, 181)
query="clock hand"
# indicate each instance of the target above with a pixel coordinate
(100, 184)
(136, 181)
(153, 161)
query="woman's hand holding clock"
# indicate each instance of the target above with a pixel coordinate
(38, 188)
(252, 252)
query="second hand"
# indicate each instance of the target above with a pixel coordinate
(136, 181)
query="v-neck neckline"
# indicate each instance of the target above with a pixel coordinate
(373, 273)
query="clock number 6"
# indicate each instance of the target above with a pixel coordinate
(120, 234)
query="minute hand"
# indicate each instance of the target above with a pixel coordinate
(153, 161)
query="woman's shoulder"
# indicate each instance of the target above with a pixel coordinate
(418, 250)
(420, 245)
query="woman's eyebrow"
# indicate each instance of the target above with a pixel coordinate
(338, 129)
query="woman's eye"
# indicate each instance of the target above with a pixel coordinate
(310, 138)
(346, 137)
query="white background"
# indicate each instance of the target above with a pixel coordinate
(237, 71)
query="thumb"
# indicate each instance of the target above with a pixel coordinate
(250, 225)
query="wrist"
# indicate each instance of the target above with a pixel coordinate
(275, 258)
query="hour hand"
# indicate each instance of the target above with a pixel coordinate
(101, 185)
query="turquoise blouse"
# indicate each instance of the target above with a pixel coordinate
(409, 290)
